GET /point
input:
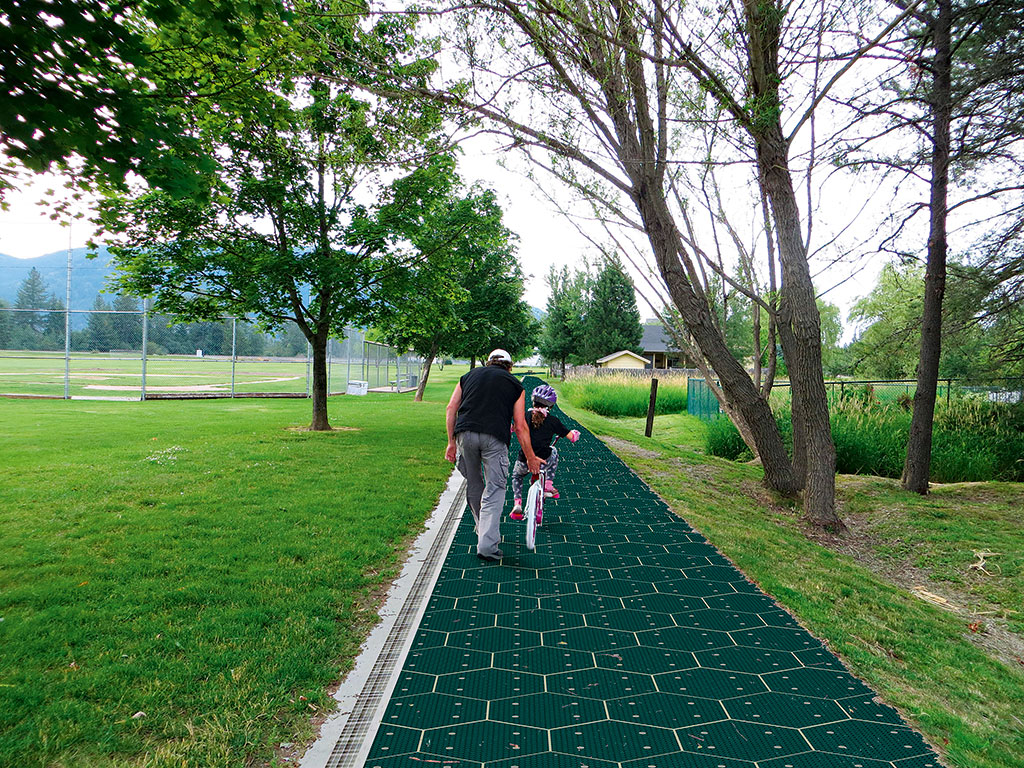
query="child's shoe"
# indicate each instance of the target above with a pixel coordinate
(550, 492)
(517, 510)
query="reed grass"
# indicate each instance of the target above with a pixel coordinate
(622, 396)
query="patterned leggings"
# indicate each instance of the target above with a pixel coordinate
(520, 470)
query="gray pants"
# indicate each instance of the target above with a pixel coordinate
(520, 471)
(483, 461)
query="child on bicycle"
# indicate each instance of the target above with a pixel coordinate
(543, 427)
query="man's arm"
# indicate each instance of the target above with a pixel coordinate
(451, 412)
(523, 433)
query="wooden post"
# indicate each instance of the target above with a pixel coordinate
(650, 407)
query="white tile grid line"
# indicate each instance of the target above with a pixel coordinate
(347, 736)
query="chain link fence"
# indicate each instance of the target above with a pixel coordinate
(129, 354)
(702, 403)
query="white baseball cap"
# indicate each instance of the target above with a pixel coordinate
(500, 354)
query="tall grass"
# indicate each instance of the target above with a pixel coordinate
(620, 396)
(972, 440)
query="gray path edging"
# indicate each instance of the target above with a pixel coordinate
(347, 735)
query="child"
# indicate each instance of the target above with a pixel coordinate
(543, 427)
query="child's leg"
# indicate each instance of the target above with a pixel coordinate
(551, 466)
(519, 471)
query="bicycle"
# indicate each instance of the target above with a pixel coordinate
(534, 507)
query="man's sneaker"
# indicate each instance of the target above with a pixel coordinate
(517, 510)
(493, 557)
(550, 492)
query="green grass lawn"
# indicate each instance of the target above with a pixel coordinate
(956, 675)
(203, 563)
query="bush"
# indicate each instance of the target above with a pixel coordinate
(971, 441)
(723, 439)
(623, 396)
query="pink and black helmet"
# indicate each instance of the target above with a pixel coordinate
(545, 394)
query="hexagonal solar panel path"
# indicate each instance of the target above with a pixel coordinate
(626, 640)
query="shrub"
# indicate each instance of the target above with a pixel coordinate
(623, 396)
(971, 440)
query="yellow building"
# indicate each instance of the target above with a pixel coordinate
(623, 359)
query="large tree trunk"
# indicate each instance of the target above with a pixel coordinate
(319, 344)
(798, 307)
(739, 389)
(917, 467)
(427, 362)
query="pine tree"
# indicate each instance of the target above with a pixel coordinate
(99, 332)
(613, 320)
(32, 295)
(562, 335)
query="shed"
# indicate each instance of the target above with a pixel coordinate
(623, 359)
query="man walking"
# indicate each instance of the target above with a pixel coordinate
(485, 401)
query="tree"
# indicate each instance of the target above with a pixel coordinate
(613, 320)
(466, 296)
(33, 295)
(562, 333)
(100, 335)
(6, 326)
(294, 156)
(87, 81)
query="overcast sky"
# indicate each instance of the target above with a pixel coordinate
(546, 237)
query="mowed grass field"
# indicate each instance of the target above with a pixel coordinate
(181, 582)
(99, 375)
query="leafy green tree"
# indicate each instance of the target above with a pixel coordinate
(6, 325)
(100, 335)
(464, 296)
(887, 346)
(88, 80)
(613, 319)
(561, 337)
(33, 294)
(301, 155)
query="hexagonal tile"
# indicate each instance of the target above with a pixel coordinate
(867, 708)
(813, 681)
(464, 588)
(614, 740)
(569, 548)
(666, 710)
(877, 740)
(493, 639)
(678, 560)
(432, 710)
(688, 760)
(440, 603)
(743, 741)
(684, 638)
(538, 587)
(921, 761)
(590, 639)
(576, 573)
(502, 574)
(784, 709)
(629, 620)
(427, 639)
(580, 603)
(544, 660)
(546, 710)
(541, 620)
(489, 684)
(616, 588)
(648, 573)
(709, 683)
(497, 603)
(600, 683)
(819, 657)
(776, 638)
(723, 621)
(825, 760)
(412, 683)
(694, 587)
(757, 661)
(484, 741)
(779, 618)
(394, 740)
(608, 560)
(549, 760)
(454, 620)
(440, 660)
(633, 549)
(664, 603)
(527, 559)
(645, 659)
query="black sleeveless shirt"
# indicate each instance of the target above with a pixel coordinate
(489, 396)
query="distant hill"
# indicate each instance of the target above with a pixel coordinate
(88, 276)
(538, 314)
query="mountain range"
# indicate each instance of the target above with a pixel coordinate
(88, 276)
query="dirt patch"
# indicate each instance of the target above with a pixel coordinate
(983, 625)
(332, 429)
(625, 446)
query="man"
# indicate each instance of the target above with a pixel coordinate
(485, 401)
